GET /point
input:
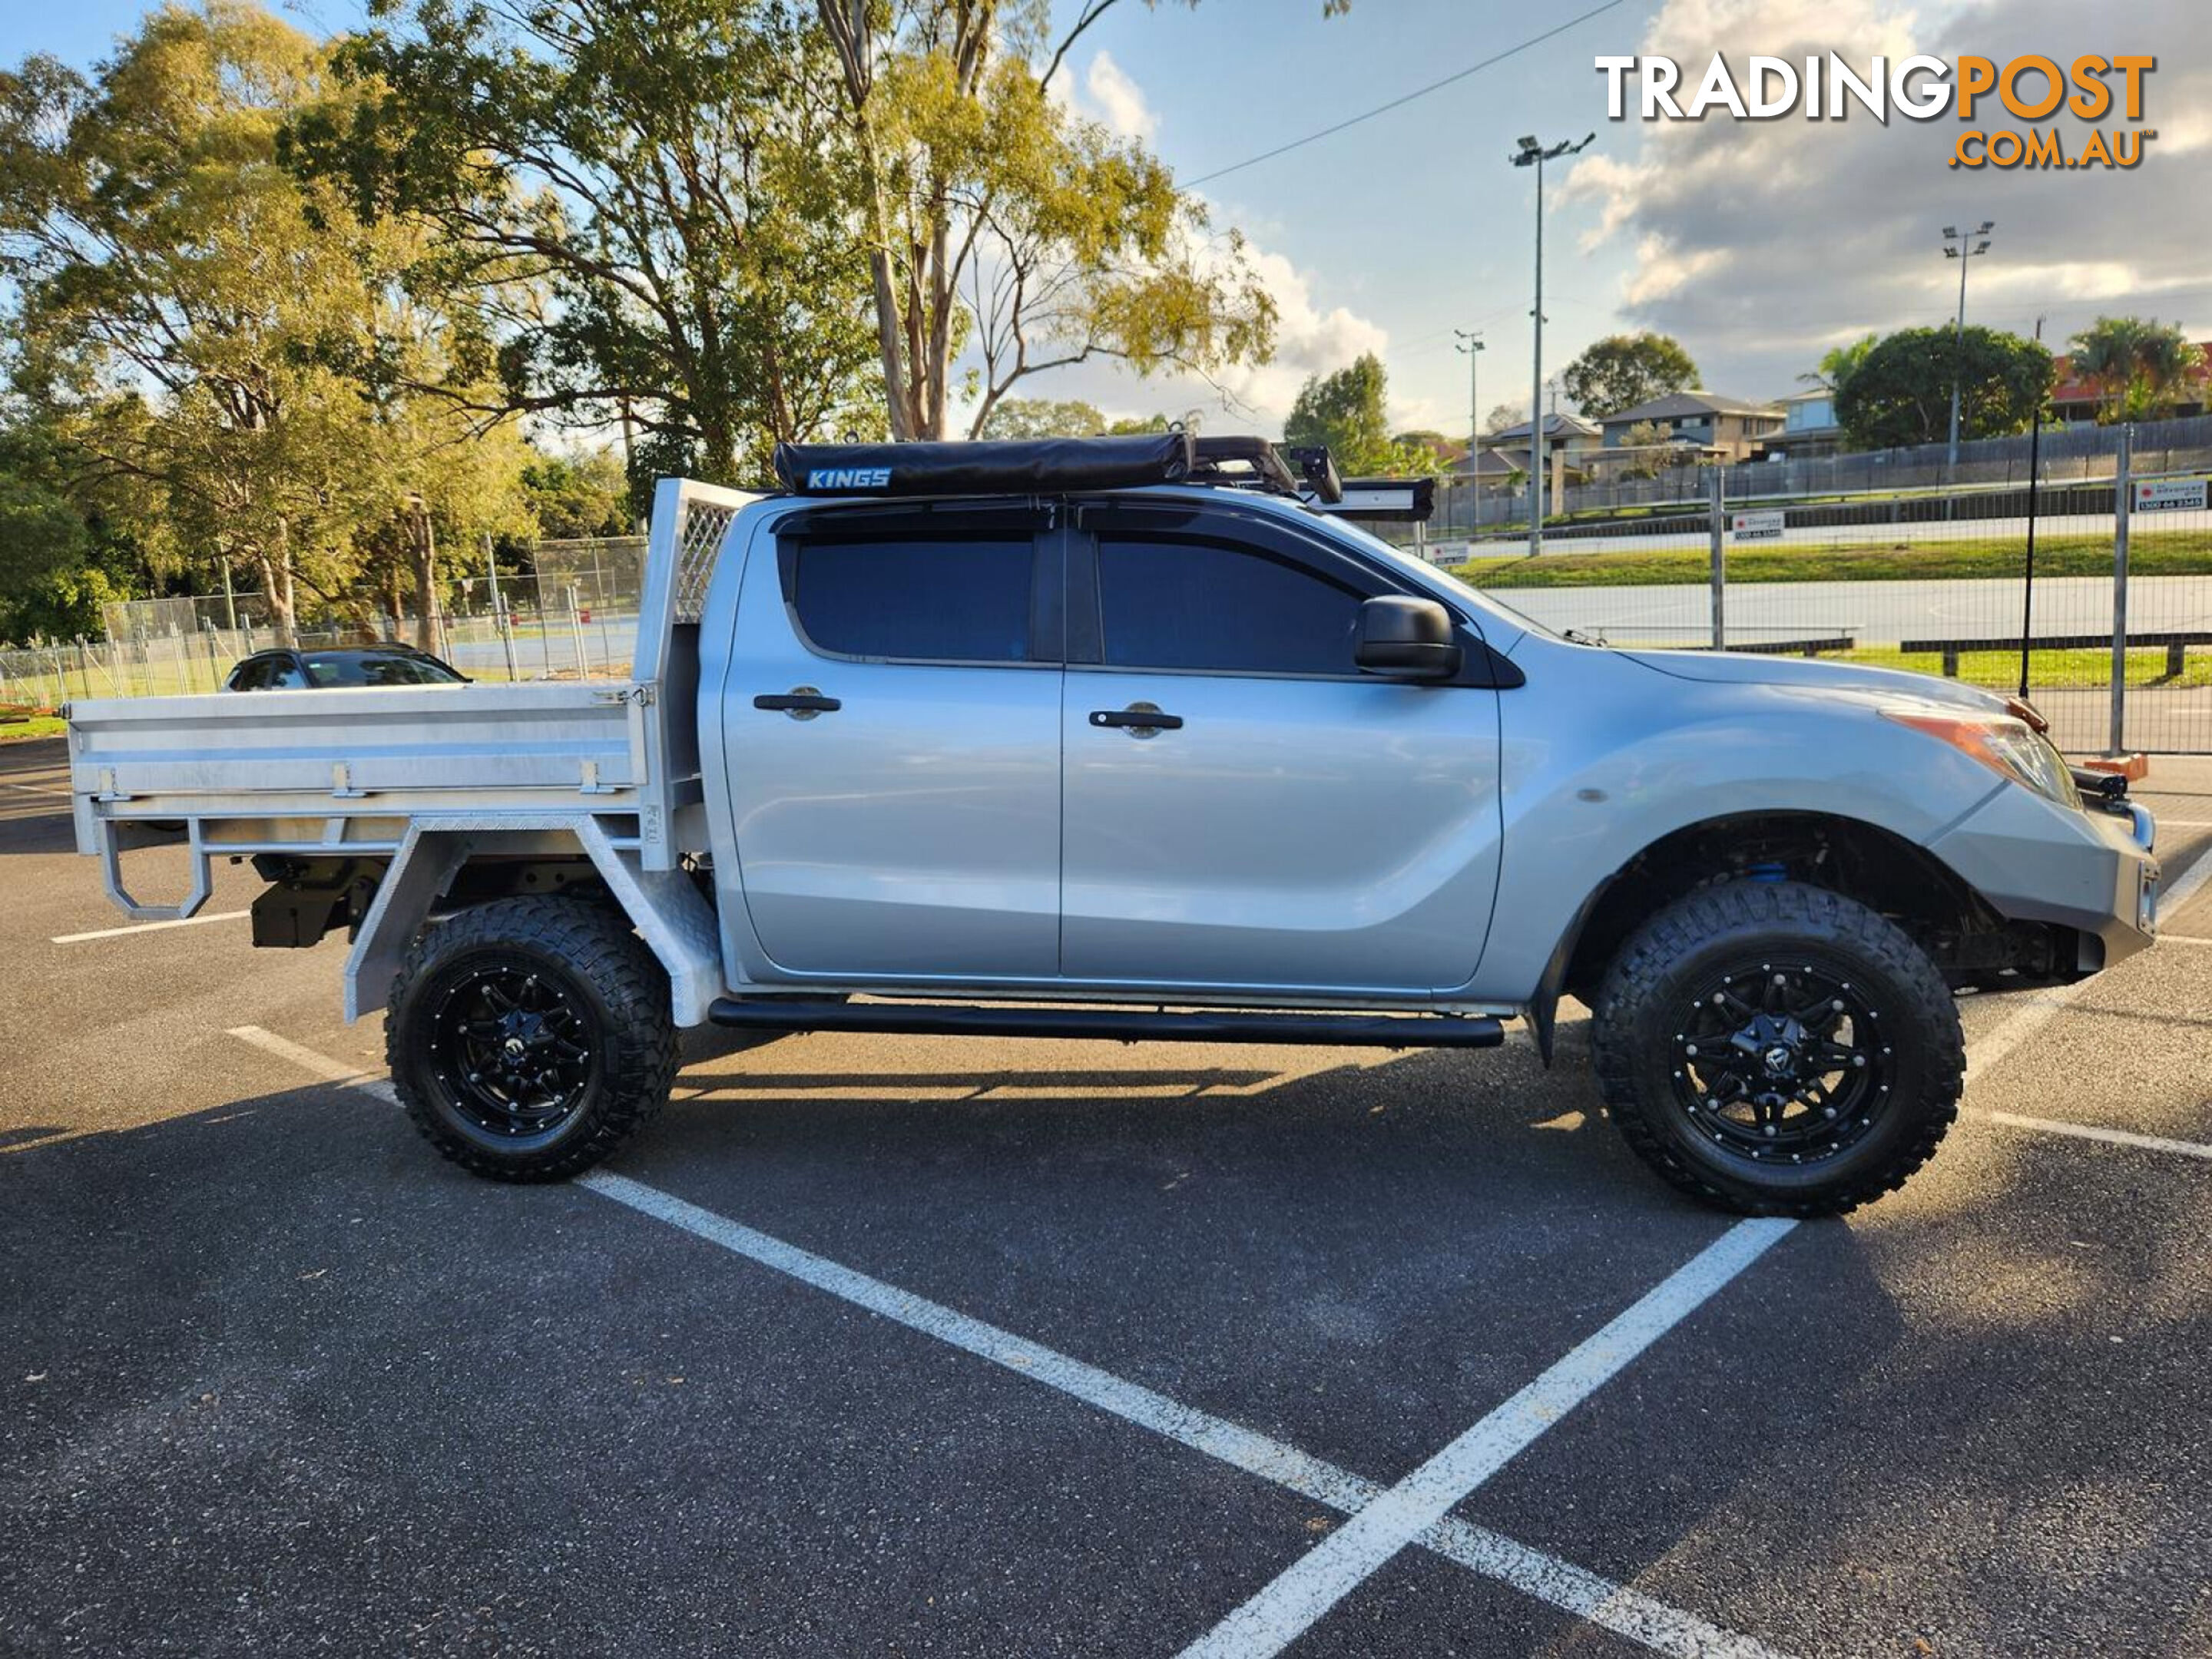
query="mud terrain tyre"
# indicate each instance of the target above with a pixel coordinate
(530, 1037)
(1774, 1048)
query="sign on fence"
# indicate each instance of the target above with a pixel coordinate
(1757, 526)
(2170, 495)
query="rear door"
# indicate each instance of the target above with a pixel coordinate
(892, 715)
(1243, 807)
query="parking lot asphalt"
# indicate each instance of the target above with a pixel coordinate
(975, 1346)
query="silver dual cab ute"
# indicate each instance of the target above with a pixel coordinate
(1143, 738)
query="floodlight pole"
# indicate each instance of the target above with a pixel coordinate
(1471, 346)
(1970, 246)
(1532, 154)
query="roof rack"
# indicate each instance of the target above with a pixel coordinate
(1265, 466)
(1047, 466)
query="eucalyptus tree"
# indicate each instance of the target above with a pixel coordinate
(996, 221)
(174, 291)
(649, 199)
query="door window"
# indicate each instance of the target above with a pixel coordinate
(284, 675)
(1166, 603)
(917, 600)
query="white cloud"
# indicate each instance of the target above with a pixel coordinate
(1119, 100)
(1760, 243)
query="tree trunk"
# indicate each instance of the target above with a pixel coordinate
(422, 548)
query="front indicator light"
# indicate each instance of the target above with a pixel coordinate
(2009, 747)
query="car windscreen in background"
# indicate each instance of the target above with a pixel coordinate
(325, 672)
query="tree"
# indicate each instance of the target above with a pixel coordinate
(653, 192)
(2139, 368)
(1624, 370)
(993, 219)
(49, 587)
(1343, 413)
(177, 295)
(1502, 418)
(572, 496)
(1901, 394)
(1839, 363)
(1043, 417)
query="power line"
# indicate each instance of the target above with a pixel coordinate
(1404, 98)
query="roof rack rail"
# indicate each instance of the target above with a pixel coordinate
(1267, 467)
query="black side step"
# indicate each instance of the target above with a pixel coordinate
(1125, 1024)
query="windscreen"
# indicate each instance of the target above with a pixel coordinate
(376, 668)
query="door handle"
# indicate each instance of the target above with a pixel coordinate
(801, 702)
(1139, 719)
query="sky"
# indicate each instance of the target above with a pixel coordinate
(1758, 244)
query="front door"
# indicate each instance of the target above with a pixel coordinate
(1243, 808)
(892, 718)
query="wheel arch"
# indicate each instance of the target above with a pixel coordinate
(1862, 860)
(430, 869)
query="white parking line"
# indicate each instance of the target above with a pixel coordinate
(322, 1066)
(1286, 1608)
(1573, 1589)
(2091, 1131)
(146, 927)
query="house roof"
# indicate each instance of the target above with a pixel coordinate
(1555, 426)
(1676, 404)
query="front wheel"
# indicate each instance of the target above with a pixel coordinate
(1777, 1049)
(530, 1037)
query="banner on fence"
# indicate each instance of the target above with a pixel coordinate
(1757, 526)
(2170, 495)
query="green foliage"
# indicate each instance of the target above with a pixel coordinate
(1900, 393)
(49, 585)
(1623, 370)
(577, 495)
(995, 219)
(1343, 413)
(1044, 417)
(225, 367)
(664, 181)
(1839, 363)
(1132, 426)
(2141, 368)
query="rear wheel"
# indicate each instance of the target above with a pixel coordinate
(1779, 1049)
(530, 1037)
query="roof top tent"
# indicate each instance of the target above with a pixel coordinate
(1052, 465)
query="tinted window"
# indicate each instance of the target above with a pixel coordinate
(963, 601)
(283, 674)
(1194, 604)
(251, 675)
(377, 668)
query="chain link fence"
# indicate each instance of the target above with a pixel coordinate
(571, 615)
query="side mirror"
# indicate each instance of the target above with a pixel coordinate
(1405, 638)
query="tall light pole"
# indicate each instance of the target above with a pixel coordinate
(1964, 249)
(1533, 155)
(1470, 345)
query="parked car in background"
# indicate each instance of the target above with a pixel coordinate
(310, 670)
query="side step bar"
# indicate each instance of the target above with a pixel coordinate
(1122, 1024)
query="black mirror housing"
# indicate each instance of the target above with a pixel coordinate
(1406, 638)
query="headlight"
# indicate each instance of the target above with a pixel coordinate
(2007, 746)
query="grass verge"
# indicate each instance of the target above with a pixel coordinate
(2157, 553)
